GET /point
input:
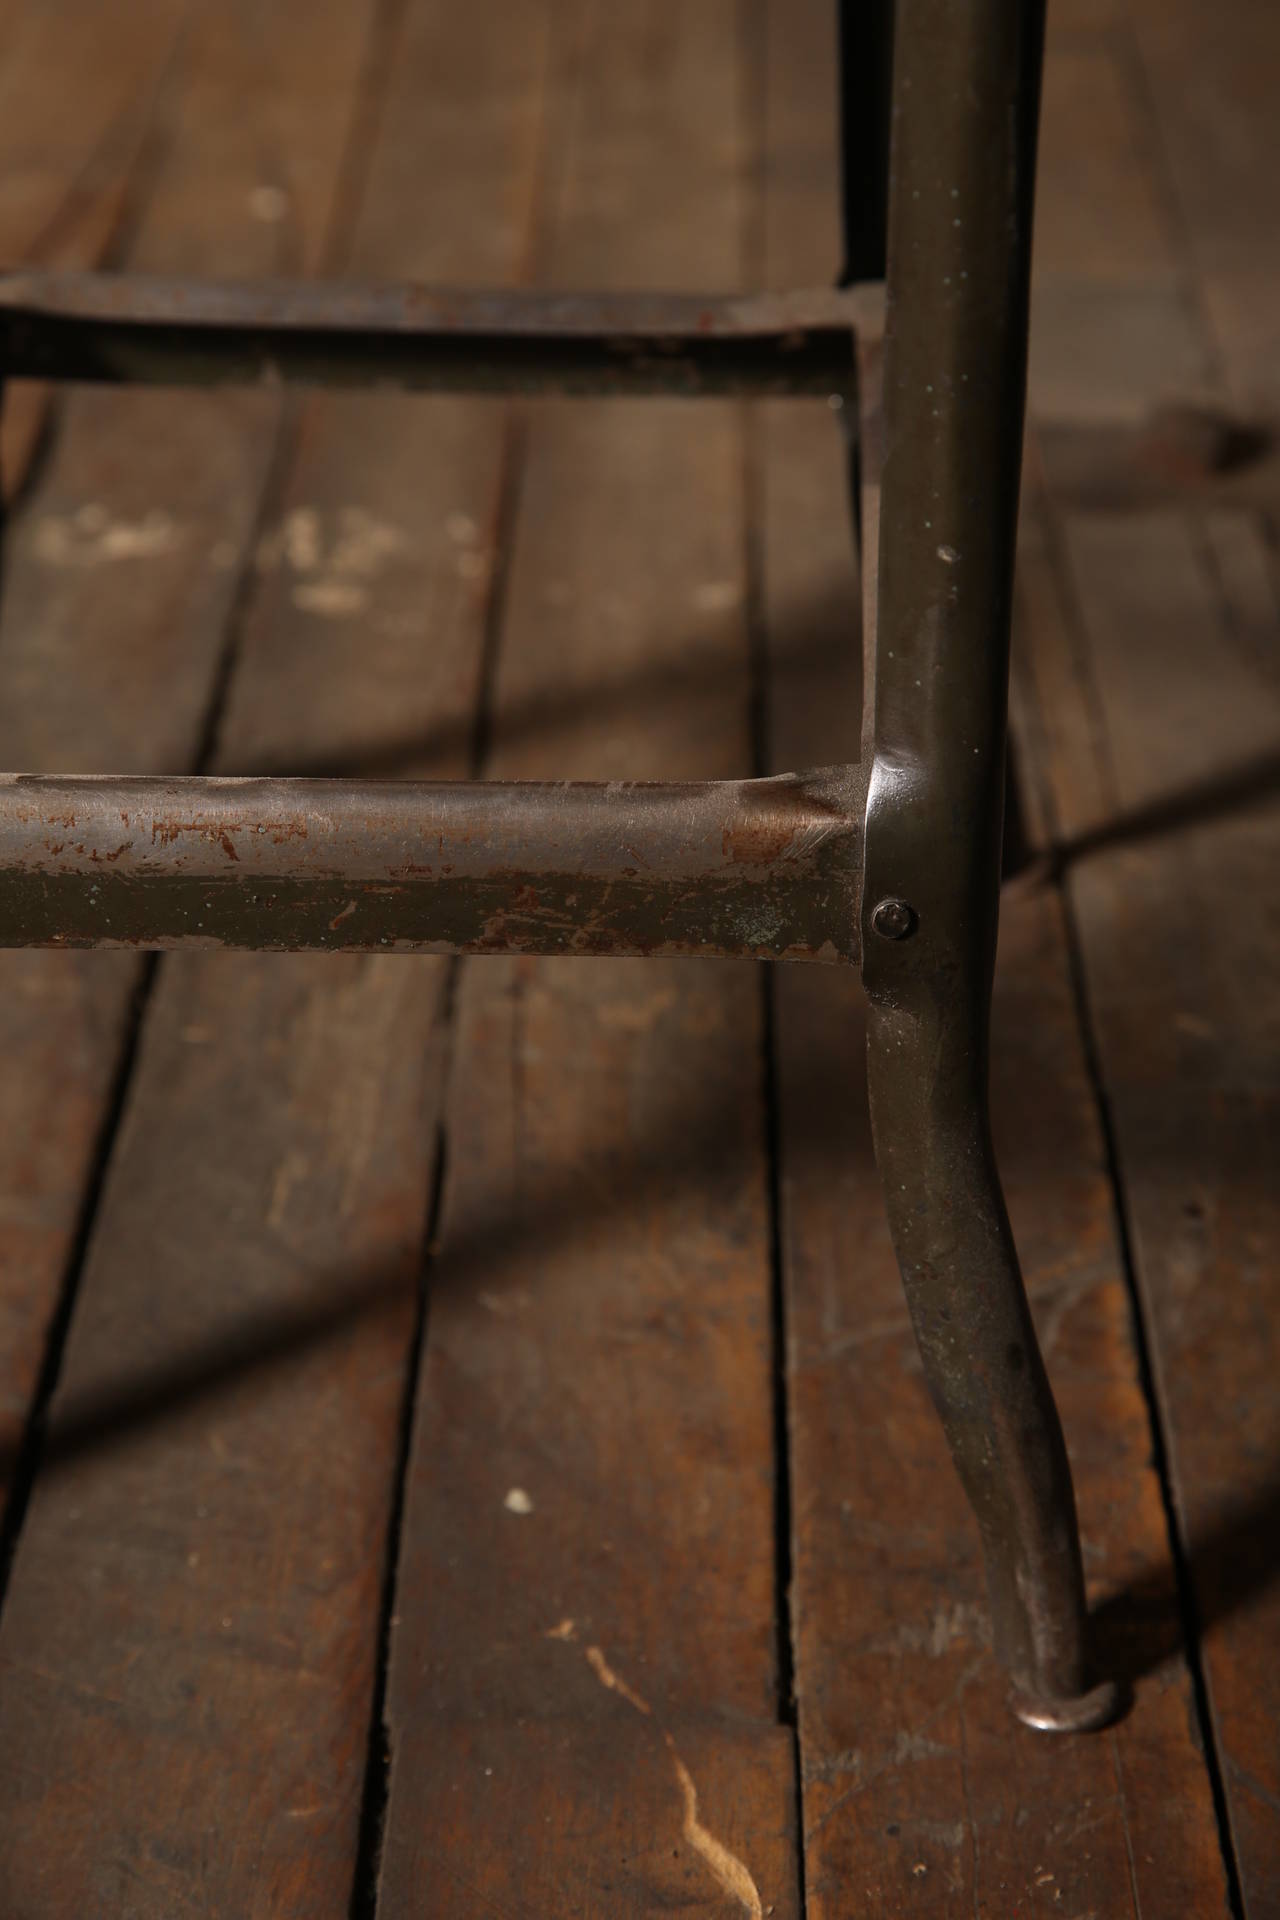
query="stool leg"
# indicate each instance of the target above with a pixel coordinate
(965, 97)
(927, 1073)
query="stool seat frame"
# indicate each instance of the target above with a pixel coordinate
(890, 863)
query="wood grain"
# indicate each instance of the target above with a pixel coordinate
(586, 1672)
(585, 1615)
(1114, 322)
(1208, 84)
(1190, 1055)
(921, 1793)
(1158, 703)
(121, 579)
(81, 88)
(65, 180)
(193, 1620)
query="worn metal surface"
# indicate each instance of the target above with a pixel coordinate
(750, 869)
(117, 327)
(965, 106)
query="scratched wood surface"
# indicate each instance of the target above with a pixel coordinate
(1155, 679)
(62, 181)
(464, 1447)
(142, 530)
(921, 1794)
(144, 521)
(589, 1527)
(222, 1450)
(82, 102)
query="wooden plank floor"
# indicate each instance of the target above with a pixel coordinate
(462, 1447)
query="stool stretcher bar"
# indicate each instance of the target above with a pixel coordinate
(751, 869)
(139, 330)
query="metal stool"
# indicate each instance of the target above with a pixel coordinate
(891, 862)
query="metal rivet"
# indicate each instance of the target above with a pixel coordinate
(893, 920)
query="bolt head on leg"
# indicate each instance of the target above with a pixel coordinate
(893, 919)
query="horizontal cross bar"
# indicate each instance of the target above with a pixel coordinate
(763, 869)
(129, 327)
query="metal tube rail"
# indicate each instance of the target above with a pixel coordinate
(745, 869)
(137, 329)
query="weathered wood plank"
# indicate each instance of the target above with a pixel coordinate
(120, 580)
(1209, 80)
(586, 1609)
(74, 78)
(1160, 714)
(1115, 328)
(190, 1640)
(1177, 919)
(79, 86)
(921, 1793)
(615, 1813)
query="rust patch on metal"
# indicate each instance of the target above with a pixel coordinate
(752, 869)
(143, 328)
(758, 842)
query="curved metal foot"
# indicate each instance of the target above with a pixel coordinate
(1088, 1712)
(927, 1074)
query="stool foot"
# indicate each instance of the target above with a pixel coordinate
(982, 1363)
(1086, 1712)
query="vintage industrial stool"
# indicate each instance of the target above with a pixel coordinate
(891, 862)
